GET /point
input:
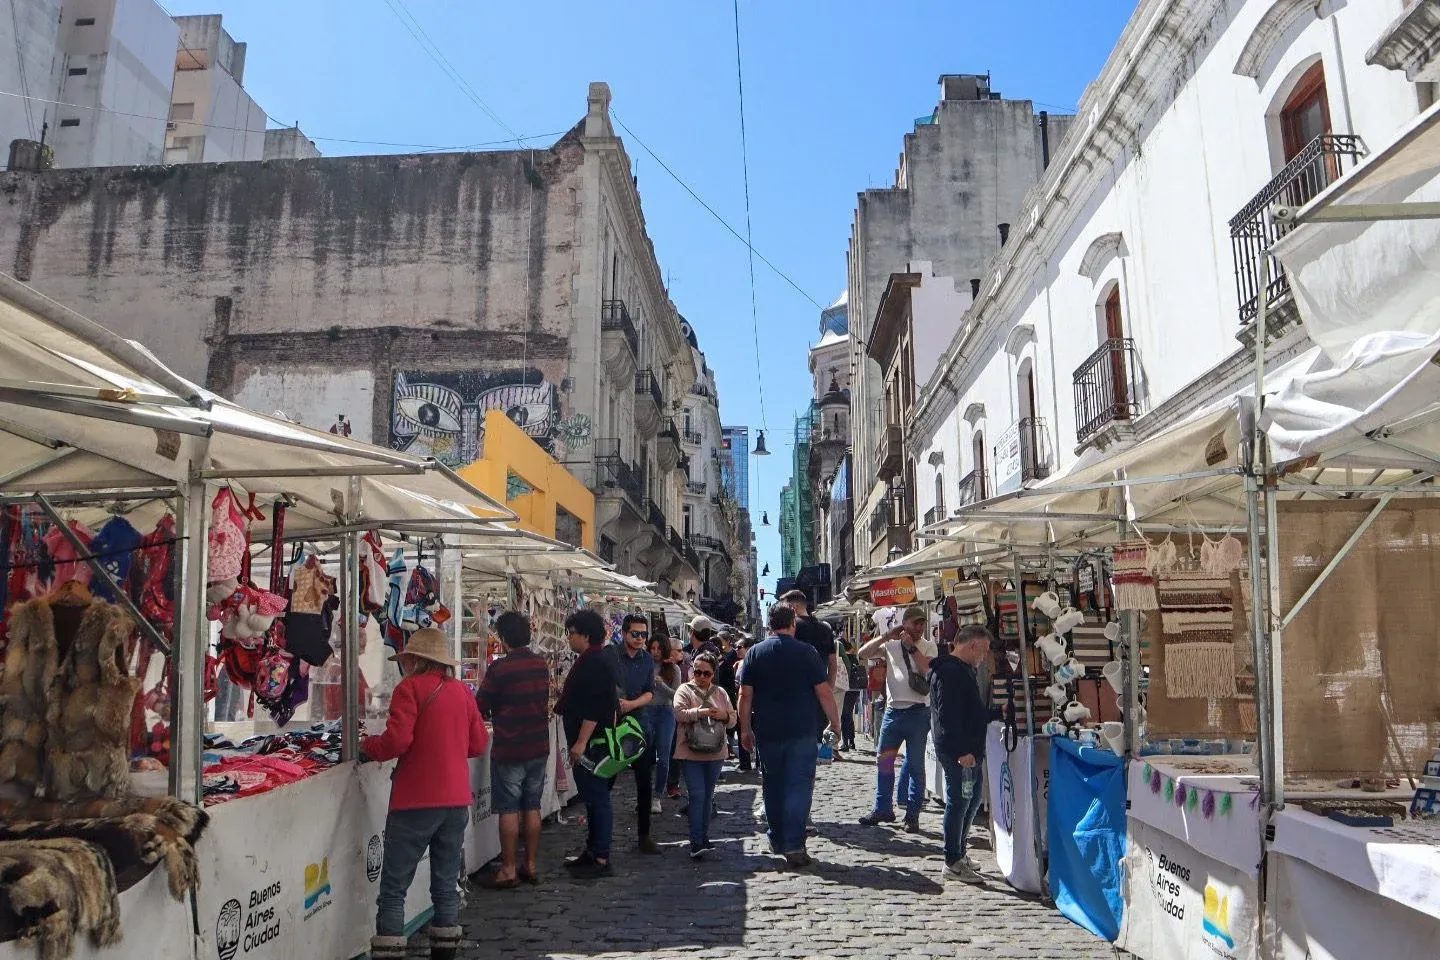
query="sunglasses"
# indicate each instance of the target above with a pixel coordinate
(704, 673)
(639, 634)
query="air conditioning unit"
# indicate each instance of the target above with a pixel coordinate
(171, 125)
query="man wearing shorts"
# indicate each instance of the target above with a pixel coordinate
(515, 696)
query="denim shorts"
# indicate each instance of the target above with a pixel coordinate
(516, 787)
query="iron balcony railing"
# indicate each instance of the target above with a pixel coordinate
(655, 516)
(1253, 230)
(704, 542)
(889, 451)
(880, 519)
(613, 471)
(645, 382)
(972, 488)
(697, 487)
(615, 318)
(693, 437)
(680, 546)
(1105, 388)
(934, 515)
(1034, 464)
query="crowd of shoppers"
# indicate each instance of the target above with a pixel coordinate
(775, 704)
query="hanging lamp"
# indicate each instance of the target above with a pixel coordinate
(760, 450)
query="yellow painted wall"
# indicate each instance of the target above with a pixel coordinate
(508, 449)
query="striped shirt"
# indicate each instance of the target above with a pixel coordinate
(515, 694)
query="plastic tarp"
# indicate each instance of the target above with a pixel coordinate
(1369, 296)
(1086, 830)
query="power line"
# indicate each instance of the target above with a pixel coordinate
(433, 51)
(218, 126)
(749, 245)
(711, 210)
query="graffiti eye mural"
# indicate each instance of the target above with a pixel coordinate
(442, 415)
(426, 408)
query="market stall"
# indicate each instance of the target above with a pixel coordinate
(99, 435)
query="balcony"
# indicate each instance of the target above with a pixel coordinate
(880, 519)
(935, 514)
(649, 402)
(684, 550)
(714, 544)
(654, 515)
(1022, 455)
(693, 437)
(617, 332)
(697, 487)
(972, 488)
(668, 446)
(1105, 389)
(612, 472)
(890, 451)
(1253, 230)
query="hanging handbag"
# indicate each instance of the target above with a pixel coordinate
(706, 735)
(918, 683)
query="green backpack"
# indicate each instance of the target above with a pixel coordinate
(613, 750)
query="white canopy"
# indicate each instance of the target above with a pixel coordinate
(1363, 263)
(82, 409)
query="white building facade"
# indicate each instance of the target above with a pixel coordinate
(212, 118)
(1127, 294)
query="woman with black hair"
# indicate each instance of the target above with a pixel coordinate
(667, 681)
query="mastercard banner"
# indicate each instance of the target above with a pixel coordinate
(894, 592)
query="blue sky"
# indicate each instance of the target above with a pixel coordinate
(831, 87)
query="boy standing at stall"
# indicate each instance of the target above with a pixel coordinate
(433, 730)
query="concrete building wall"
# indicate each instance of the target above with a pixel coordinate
(213, 119)
(289, 143)
(960, 176)
(113, 81)
(1147, 214)
(29, 39)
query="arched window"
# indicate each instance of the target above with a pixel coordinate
(1115, 336)
(1306, 114)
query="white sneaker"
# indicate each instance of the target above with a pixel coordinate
(970, 862)
(655, 806)
(962, 871)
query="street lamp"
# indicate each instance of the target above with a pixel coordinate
(760, 450)
(690, 595)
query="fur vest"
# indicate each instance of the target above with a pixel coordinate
(65, 701)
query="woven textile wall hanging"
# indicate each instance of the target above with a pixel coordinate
(1134, 584)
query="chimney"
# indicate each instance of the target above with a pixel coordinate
(974, 288)
(597, 117)
(1004, 233)
(30, 155)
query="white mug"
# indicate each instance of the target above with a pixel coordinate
(1048, 603)
(1069, 619)
(1052, 648)
(1112, 631)
(1114, 733)
(1058, 693)
(1069, 670)
(1076, 712)
(1114, 674)
(1054, 727)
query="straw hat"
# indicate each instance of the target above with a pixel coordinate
(430, 644)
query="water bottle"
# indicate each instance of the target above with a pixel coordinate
(829, 738)
(967, 783)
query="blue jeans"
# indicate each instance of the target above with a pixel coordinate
(408, 834)
(959, 812)
(911, 727)
(516, 787)
(789, 782)
(701, 776)
(664, 745)
(599, 811)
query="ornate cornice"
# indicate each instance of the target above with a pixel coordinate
(1411, 43)
(1272, 28)
(1098, 255)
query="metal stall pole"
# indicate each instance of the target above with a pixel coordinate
(1277, 629)
(1265, 740)
(191, 641)
(1129, 641)
(1023, 620)
(350, 648)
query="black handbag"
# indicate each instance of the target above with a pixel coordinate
(918, 683)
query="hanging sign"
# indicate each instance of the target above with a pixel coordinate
(949, 580)
(892, 592)
(1008, 459)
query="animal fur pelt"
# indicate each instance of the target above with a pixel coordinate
(136, 833)
(66, 702)
(58, 889)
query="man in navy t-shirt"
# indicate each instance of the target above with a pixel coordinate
(781, 683)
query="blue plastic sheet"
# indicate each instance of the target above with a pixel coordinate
(1087, 835)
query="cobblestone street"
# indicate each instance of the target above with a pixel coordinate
(874, 892)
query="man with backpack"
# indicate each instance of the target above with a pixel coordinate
(588, 704)
(636, 670)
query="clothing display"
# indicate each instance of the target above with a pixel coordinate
(260, 764)
(67, 698)
(57, 891)
(63, 554)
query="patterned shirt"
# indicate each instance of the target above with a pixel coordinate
(515, 694)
